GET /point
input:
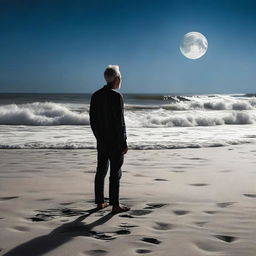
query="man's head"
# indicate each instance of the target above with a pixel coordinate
(113, 76)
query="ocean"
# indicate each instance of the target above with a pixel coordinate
(153, 121)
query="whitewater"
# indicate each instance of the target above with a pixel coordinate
(61, 121)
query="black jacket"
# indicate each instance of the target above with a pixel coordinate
(107, 118)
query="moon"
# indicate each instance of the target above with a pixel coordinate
(193, 45)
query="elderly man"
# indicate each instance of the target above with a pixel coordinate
(108, 126)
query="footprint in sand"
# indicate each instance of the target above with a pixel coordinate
(134, 213)
(224, 204)
(227, 239)
(198, 184)
(123, 232)
(163, 226)
(200, 223)
(151, 240)
(181, 212)
(210, 212)
(143, 251)
(250, 195)
(49, 214)
(41, 217)
(140, 212)
(197, 158)
(66, 203)
(8, 198)
(126, 225)
(139, 175)
(101, 236)
(21, 228)
(44, 199)
(96, 252)
(154, 205)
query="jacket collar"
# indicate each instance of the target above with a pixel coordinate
(107, 86)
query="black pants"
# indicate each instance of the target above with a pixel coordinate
(105, 155)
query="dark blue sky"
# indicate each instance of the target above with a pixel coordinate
(64, 46)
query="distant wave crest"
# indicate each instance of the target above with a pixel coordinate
(189, 120)
(40, 113)
(200, 103)
(197, 111)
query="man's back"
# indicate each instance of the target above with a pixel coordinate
(107, 118)
(108, 125)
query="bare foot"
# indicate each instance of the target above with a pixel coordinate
(102, 206)
(118, 209)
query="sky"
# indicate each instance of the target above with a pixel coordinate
(60, 46)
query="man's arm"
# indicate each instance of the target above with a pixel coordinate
(92, 115)
(120, 121)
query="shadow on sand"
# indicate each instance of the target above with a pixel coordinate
(60, 235)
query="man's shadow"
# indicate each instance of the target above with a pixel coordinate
(60, 235)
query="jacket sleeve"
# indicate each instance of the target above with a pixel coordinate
(120, 121)
(93, 117)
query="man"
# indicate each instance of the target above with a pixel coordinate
(108, 126)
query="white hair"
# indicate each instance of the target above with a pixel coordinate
(111, 72)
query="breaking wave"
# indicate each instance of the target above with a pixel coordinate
(40, 113)
(202, 103)
(193, 111)
(196, 119)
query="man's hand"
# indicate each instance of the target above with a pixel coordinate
(125, 151)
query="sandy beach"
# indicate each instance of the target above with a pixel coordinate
(183, 202)
(171, 81)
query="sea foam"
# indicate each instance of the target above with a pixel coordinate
(194, 111)
(40, 113)
(195, 119)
